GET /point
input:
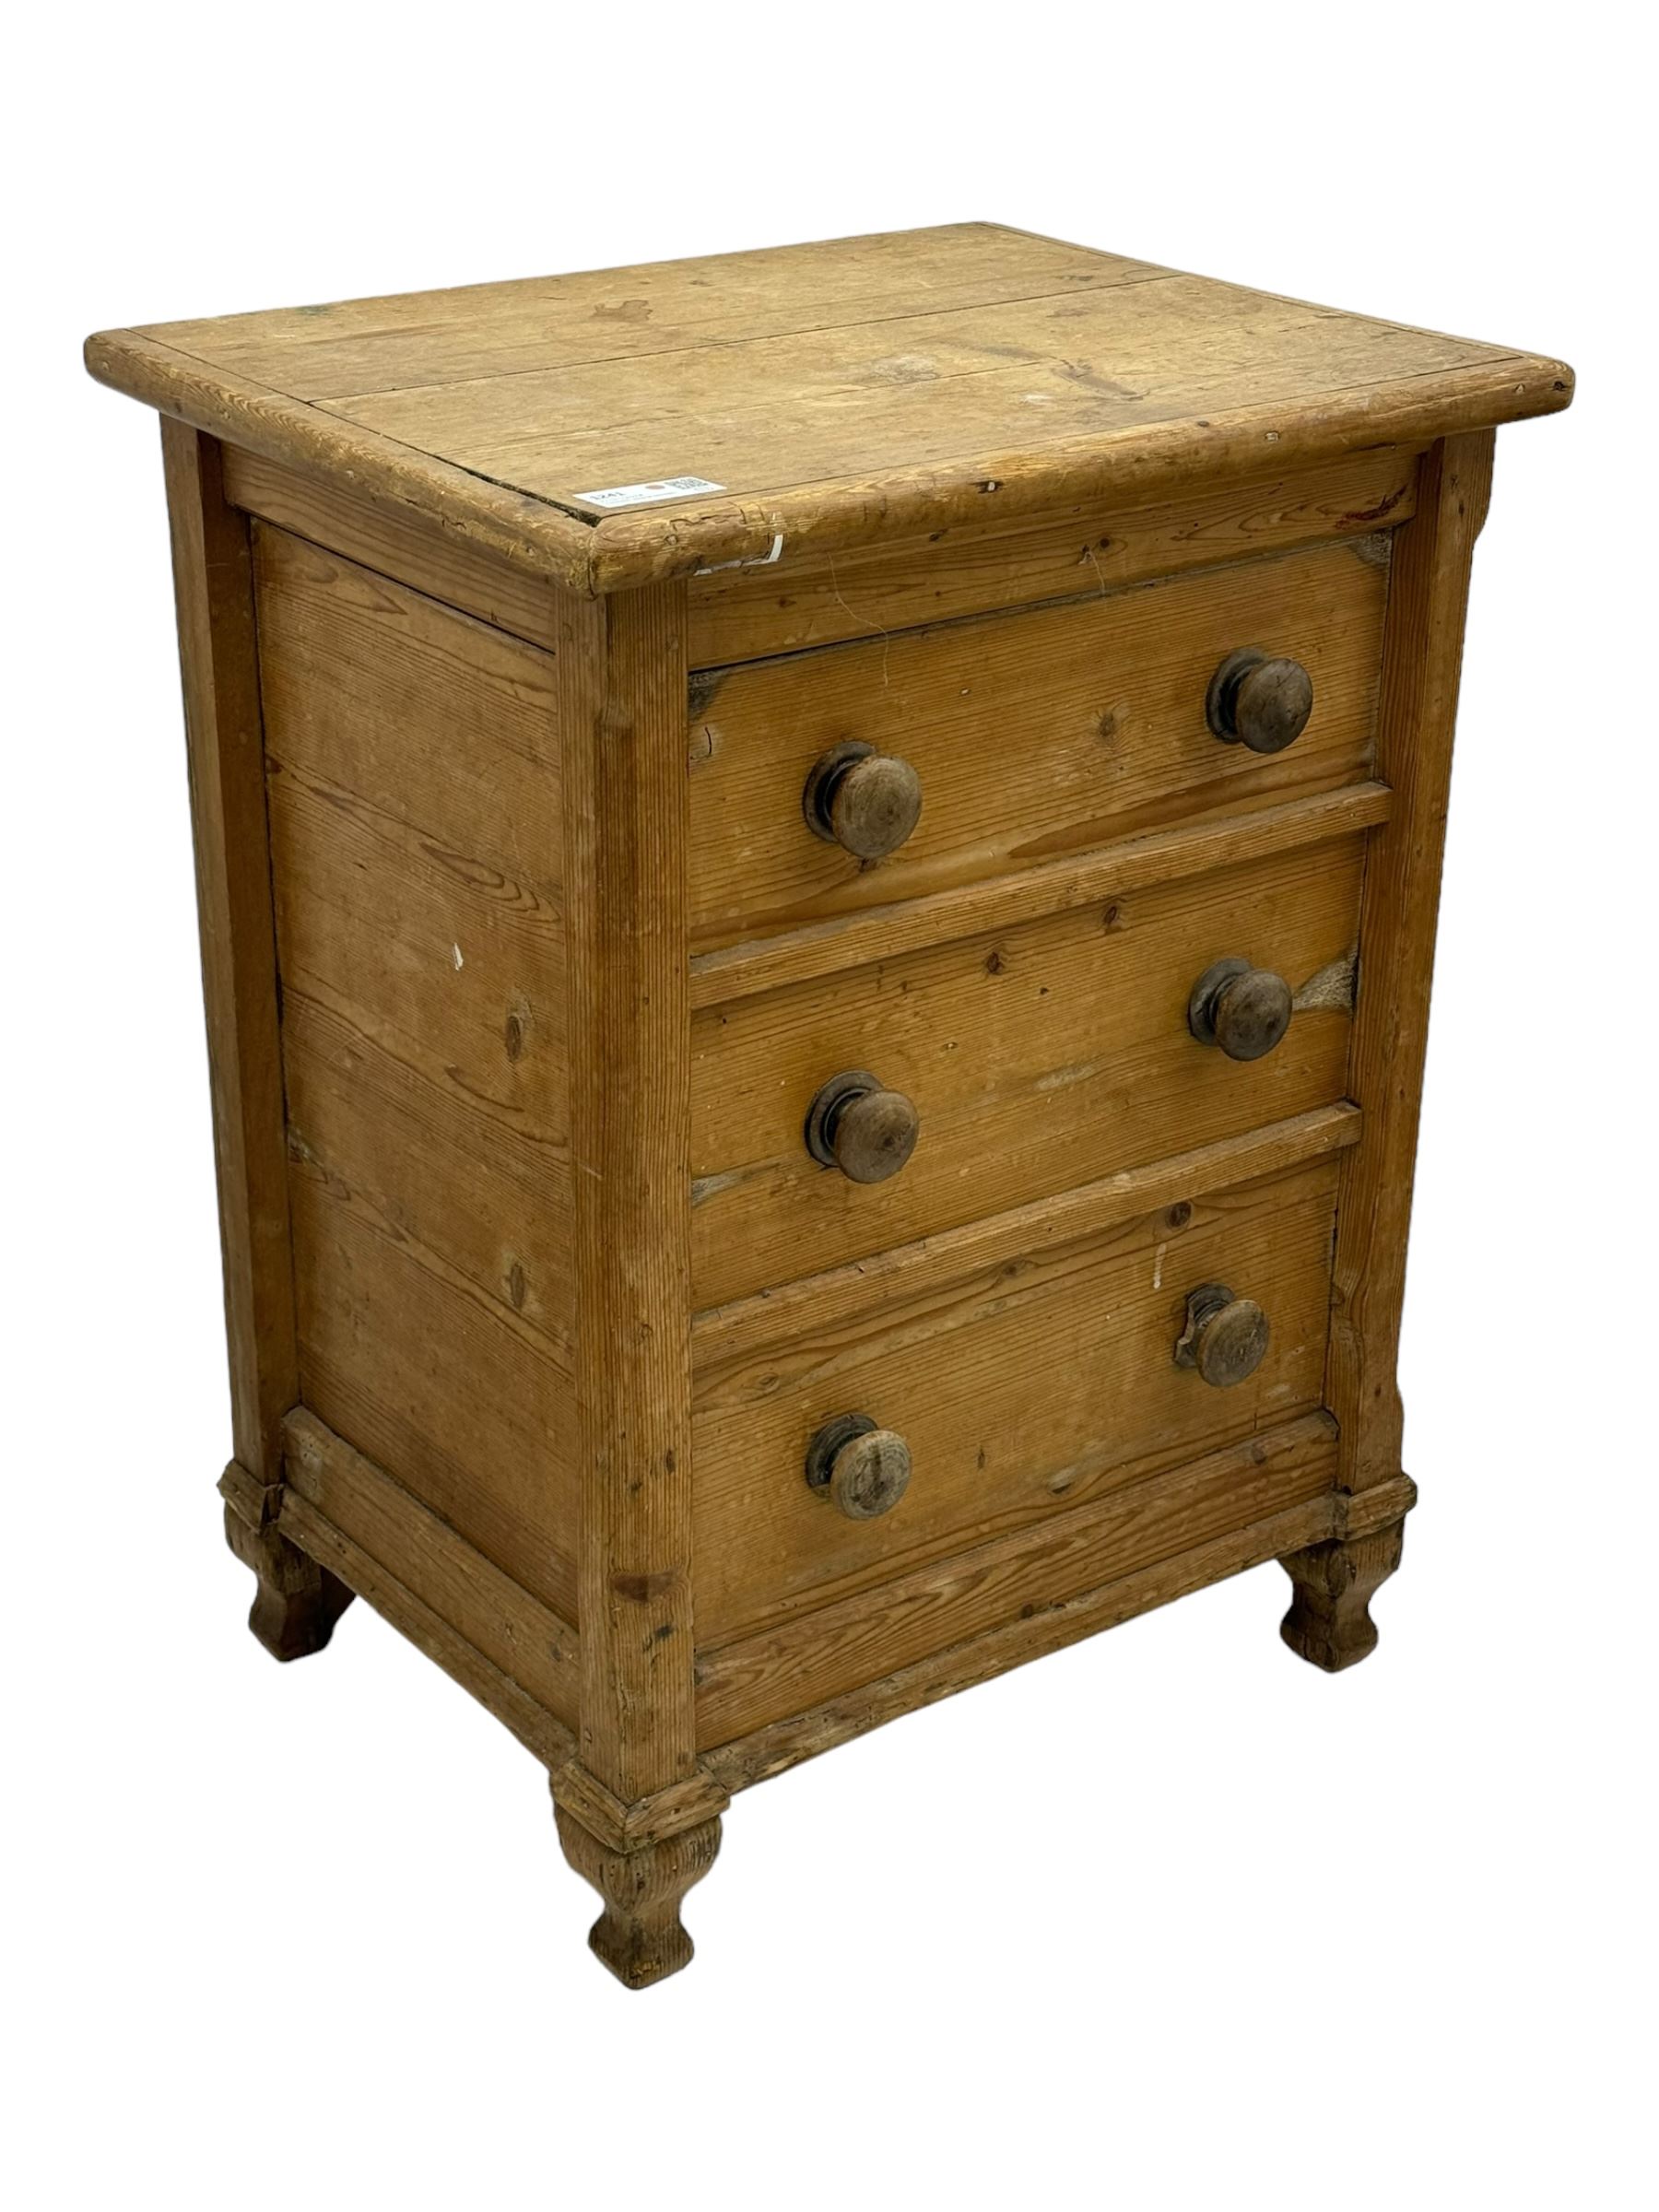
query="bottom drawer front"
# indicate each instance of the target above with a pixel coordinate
(941, 1627)
(1020, 1393)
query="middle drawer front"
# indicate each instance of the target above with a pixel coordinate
(1033, 1389)
(1051, 1055)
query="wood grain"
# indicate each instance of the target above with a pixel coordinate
(480, 332)
(784, 1313)
(1048, 1055)
(1020, 1391)
(807, 1661)
(395, 541)
(213, 584)
(1036, 734)
(418, 853)
(747, 613)
(543, 1735)
(885, 387)
(1422, 662)
(622, 678)
(874, 934)
(530, 1643)
(918, 393)
(1038, 1630)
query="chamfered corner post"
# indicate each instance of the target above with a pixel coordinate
(636, 1816)
(1329, 1622)
(297, 1603)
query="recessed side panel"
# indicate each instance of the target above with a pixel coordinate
(413, 776)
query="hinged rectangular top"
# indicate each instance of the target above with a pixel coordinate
(624, 425)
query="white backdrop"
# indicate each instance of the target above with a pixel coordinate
(1170, 1919)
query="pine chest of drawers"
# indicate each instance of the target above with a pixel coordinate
(818, 876)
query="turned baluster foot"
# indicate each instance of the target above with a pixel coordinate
(297, 1602)
(639, 1934)
(1329, 1623)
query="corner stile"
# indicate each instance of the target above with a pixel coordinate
(622, 706)
(1422, 661)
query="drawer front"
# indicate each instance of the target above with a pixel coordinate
(1028, 735)
(1033, 1389)
(1052, 1056)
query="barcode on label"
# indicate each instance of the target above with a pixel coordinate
(641, 495)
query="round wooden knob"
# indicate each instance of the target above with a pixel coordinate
(1225, 1338)
(864, 801)
(863, 1470)
(857, 1126)
(1259, 702)
(1244, 1011)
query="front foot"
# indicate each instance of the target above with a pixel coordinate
(1329, 1623)
(297, 1602)
(639, 1934)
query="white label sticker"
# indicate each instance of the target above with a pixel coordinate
(641, 495)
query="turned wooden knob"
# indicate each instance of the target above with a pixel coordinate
(1244, 1011)
(863, 1470)
(1225, 1338)
(857, 1126)
(864, 801)
(1259, 703)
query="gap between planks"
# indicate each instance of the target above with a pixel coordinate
(1131, 863)
(721, 1335)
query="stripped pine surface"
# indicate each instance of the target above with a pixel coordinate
(752, 612)
(803, 1663)
(528, 1642)
(1044, 1625)
(1035, 735)
(737, 1221)
(821, 396)
(414, 788)
(1046, 1056)
(1034, 1384)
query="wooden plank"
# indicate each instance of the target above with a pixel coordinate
(832, 397)
(1422, 662)
(543, 1735)
(398, 542)
(768, 1751)
(786, 1313)
(823, 1655)
(528, 1642)
(417, 857)
(748, 613)
(917, 393)
(1036, 735)
(622, 675)
(533, 534)
(605, 317)
(1122, 468)
(214, 586)
(488, 1197)
(872, 935)
(440, 723)
(439, 1384)
(1046, 1056)
(1020, 1391)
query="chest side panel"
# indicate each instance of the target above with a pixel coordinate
(413, 779)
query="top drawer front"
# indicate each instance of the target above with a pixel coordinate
(1033, 734)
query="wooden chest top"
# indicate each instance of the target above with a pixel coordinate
(618, 426)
